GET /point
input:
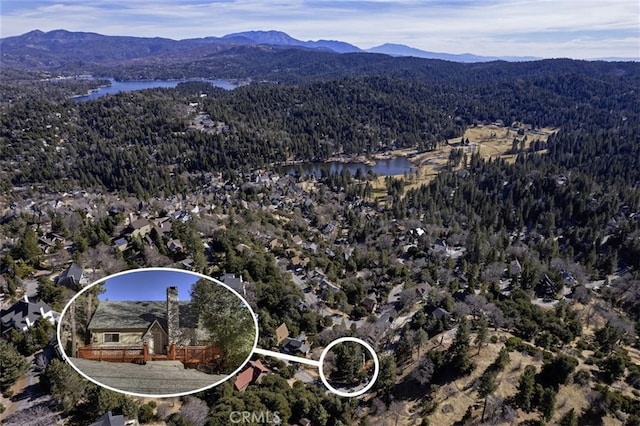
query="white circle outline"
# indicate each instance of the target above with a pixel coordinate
(376, 367)
(127, 271)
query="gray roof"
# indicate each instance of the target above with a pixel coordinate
(234, 282)
(73, 275)
(16, 316)
(139, 315)
(154, 378)
(108, 419)
(298, 344)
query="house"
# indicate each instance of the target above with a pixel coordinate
(157, 324)
(326, 284)
(275, 243)
(24, 313)
(370, 303)
(47, 245)
(379, 328)
(251, 375)
(120, 244)
(296, 346)
(163, 226)
(140, 228)
(236, 283)
(299, 262)
(108, 419)
(282, 332)
(440, 314)
(71, 276)
(175, 245)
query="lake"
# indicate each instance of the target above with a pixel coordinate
(388, 167)
(128, 86)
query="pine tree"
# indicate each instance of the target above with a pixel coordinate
(525, 398)
(486, 386)
(459, 349)
(547, 397)
(483, 330)
(12, 364)
(27, 248)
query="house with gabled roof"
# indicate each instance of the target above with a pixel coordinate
(297, 345)
(282, 332)
(23, 314)
(163, 226)
(379, 328)
(236, 283)
(71, 276)
(156, 324)
(252, 375)
(140, 228)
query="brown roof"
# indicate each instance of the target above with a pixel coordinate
(250, 375)
(244, 379)
(282, 332)
(260, 366)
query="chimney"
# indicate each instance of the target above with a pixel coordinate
(173, 315)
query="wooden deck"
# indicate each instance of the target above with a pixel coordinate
(188, 355)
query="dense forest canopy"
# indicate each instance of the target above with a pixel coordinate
(61, 144)
(481, 239)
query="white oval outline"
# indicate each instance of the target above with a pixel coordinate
(102, 280)
(376, 367)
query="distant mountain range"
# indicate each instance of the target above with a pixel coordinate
(403, 50)
(278, 38)
(63, 49)
(61, 42)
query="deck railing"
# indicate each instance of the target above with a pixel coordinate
(112, 354)
(188, 355)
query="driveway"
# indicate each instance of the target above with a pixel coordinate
(27, 394)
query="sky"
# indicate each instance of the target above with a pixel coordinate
(580, 29)
(148, 285)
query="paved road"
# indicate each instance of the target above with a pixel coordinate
(27, 394)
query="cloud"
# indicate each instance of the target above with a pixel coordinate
(546, 28)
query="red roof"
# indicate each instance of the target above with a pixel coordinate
(260, 366)
(250, 375)
(244, 379)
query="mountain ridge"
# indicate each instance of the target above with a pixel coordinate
(255, 37)
(60, 48)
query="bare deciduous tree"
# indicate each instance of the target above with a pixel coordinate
(37, 415)
(195, 410)
(102, 258)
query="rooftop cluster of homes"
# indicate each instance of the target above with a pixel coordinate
(323, 230)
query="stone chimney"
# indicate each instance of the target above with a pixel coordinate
(173, 315)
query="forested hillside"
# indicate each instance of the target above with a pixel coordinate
(64, 143)
(501, 287)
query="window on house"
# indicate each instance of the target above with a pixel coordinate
(111, 337)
